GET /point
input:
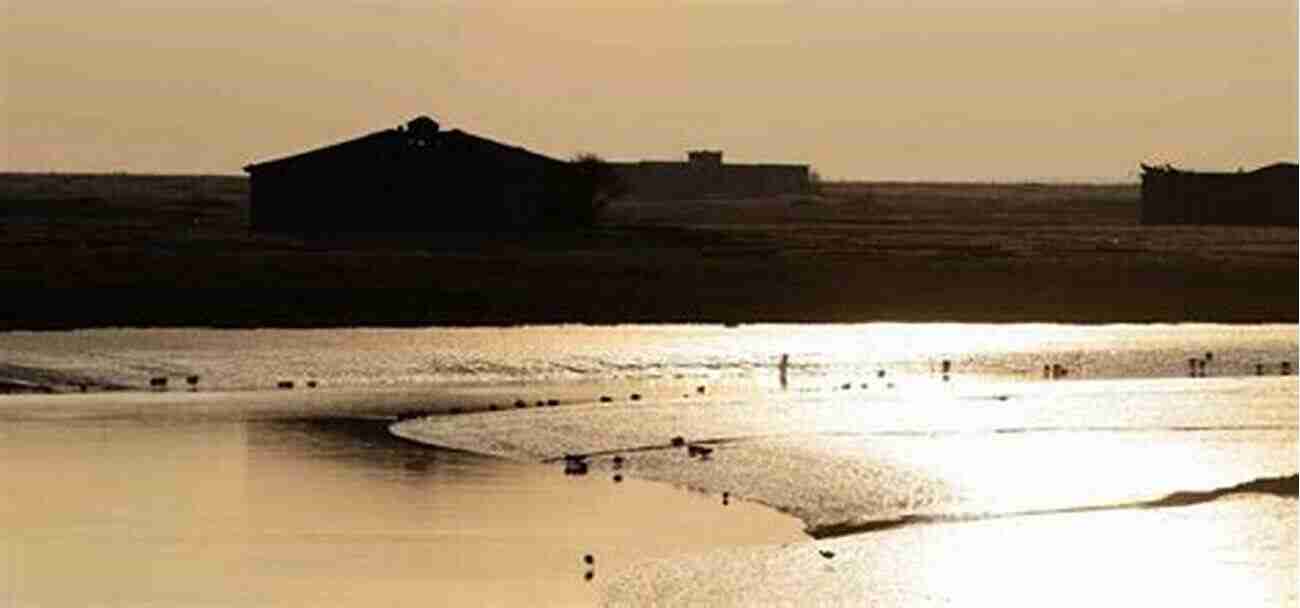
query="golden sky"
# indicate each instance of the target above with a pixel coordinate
(874, 89)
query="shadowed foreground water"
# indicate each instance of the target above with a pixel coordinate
(175, 511)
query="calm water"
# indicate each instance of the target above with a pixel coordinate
(160, 510)
(264, 498)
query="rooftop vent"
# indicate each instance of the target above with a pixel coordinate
(423, 127)
(705, 158)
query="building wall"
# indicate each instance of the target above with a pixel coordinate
(382, 184)
(655, 180)
(1263, 197)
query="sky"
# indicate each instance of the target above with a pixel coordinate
(960, 90)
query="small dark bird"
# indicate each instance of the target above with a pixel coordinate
(618, 478)
(552, 402)
(618, 462)
(880, 373)
(541, 403)
(606, 399)
(192, 380)
(635, 397)
(726, 498)
(678, 441)
(286, 384)
(589, 575)
(575, 467)
(519, 403)
(699, 389)
(846, 386)
(493, 407)
(312, 384)
(826, 553)
(699, 450)
(588, 559)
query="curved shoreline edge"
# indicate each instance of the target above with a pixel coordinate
(1281, 486)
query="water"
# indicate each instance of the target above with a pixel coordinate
(992, 487)
(848, 457)
(1227, 553)
(249, 359)
(169, 509)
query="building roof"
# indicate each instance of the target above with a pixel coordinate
(420, 133)
(1278, 168)
(684, 164)
(1275, 168)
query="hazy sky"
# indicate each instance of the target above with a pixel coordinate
(876, 89)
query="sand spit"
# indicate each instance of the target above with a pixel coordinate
(845, 463)
(1224, 553)
(1281, 487)
(19, 379)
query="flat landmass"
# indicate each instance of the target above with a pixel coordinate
(133, 250)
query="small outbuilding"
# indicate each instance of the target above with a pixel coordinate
(705, 175)
(413, 178)
(1265, 196)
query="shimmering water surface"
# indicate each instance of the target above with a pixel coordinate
(244, 359)
(920, 486)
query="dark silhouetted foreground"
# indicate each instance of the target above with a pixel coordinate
(1265, 196)
(130, 250)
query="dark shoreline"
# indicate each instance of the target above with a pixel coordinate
(85, 251)
(1281, 487)
(70, 309)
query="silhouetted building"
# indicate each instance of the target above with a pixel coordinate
(412, 178)
(704, 175)
(1265, 196)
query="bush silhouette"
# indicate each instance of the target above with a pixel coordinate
(591, 185)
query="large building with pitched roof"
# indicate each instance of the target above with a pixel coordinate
(416, 177)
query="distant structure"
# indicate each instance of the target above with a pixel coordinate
(416, 177)
(1265, 196)
(704, 175)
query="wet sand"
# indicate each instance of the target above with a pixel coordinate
(1236, 552)
(1106, 492)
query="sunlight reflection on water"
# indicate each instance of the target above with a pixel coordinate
(747, 354)
(160, 509)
